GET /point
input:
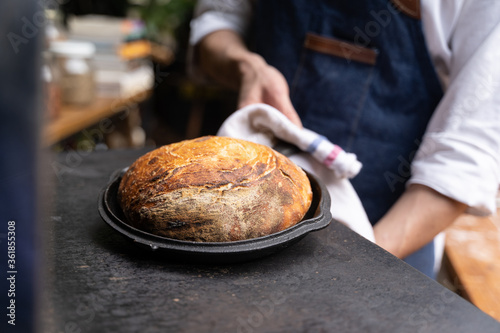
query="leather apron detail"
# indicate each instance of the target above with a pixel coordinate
(342, 49)
(408, 7)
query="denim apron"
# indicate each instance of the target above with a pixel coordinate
(360, 74)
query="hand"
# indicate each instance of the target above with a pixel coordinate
(224, 57)
(261, 83)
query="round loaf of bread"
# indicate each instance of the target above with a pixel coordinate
(214, 189)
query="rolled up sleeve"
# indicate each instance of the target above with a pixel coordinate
(460, 153)
(213, 15)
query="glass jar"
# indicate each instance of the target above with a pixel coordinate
(51, 91)
(74, 62)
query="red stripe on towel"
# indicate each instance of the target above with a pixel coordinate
(332, 156)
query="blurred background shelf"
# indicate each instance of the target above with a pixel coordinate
(73, 119)
(140, 52)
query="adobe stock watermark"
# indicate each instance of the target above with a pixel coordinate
(11, 272)
(404, 169)
(372, 29)
(471, 103)
(88, 306)
(435, 309)
(461, 112)
(405, 162)
(266, 308)
(32, 26)
(263, 310)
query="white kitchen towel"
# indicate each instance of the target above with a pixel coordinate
(261, 123)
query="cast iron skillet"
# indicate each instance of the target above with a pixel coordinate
(317, 218)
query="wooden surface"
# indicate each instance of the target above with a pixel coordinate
(73, 119)
(473, 250)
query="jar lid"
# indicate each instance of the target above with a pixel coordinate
(73, 48)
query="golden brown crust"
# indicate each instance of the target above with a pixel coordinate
(214, 189)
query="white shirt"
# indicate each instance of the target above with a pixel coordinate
(460, 152)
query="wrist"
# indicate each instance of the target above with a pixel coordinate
(224, 57)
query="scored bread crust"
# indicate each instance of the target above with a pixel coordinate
(214, 189)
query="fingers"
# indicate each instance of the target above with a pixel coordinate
(270, 87)
(281, 102)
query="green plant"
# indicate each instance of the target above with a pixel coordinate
(163, 17)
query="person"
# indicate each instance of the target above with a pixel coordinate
(20, 114)
(411, 87)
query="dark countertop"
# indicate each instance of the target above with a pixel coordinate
(332, 280)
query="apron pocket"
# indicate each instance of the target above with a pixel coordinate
(331, 85)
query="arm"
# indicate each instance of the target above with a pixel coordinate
(457, 167)
(416, 218)
(224, 57)
(218, 51)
